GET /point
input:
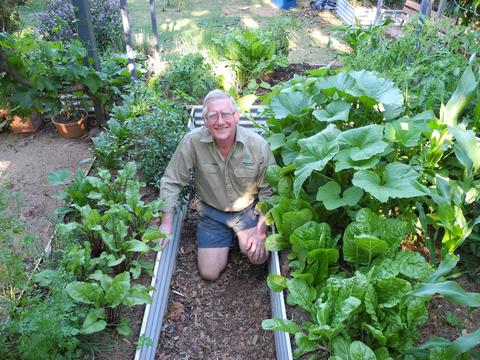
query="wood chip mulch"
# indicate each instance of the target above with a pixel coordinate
(220, 319)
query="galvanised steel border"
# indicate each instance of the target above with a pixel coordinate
(165, 265)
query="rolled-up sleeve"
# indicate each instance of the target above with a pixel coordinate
(177, 174)
(264, 188)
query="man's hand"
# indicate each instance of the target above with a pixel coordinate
(256, 247)
(166, 228)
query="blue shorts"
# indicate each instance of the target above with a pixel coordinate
(217, 228)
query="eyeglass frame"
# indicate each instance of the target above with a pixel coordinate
(217, 114)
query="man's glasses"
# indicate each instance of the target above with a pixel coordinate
(214, 116)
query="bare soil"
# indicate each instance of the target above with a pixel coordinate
(220, 319)
(26, 160)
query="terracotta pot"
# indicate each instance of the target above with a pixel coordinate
(25, 125)
(72, 129)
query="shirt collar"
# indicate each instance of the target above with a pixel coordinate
(240, 135)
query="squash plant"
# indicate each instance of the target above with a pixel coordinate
(347, 157)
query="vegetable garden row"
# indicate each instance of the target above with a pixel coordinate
(376, 192)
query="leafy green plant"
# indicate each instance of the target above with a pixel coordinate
(113, 221)
(145, 127)
(424, 63)
(251, 53)
(190, 75)
(38, 72)
(107, 294)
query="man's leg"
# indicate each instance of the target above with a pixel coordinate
(214, 239)
(212, 261)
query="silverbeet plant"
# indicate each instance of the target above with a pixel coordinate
(347, 157)
(112, 218)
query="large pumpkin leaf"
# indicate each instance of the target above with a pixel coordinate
(379, 90)
(403, 132)
(329, 195)
(291, 103)
(362, 143)
(335, 111)
(344, 161)
(316, 151)
(397, 181)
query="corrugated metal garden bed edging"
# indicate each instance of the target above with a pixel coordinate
(166, 261)
(350, 14)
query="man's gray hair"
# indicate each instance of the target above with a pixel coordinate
(217, 94)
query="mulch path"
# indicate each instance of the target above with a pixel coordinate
(220, 319)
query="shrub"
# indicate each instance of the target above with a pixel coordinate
(8, 16)
(58, 23)
(252, 53)
(189, 75)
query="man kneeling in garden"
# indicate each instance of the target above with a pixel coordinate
(229, 163)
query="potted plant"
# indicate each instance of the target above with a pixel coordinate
(45, 77)
(71, 121)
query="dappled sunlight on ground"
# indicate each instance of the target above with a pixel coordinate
(176, 24)
(323, 38)
(199, 13)
(249, 22)
(4, 165)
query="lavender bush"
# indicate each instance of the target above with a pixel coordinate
(58, 23)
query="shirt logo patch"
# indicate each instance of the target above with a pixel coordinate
(248, 161)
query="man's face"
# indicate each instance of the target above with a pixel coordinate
(221, 121)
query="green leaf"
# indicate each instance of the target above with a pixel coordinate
(362, 143)
(123, 328)
(118, 290)
(360, 351)
(138, 295)
(315, 152)
(87, 293)
(276, 282)
(448, 264)
(397, 181)
(135, 246)
(413, 265)
(279, 324)
(403, 132)
(329, 195)
(390, 291)
(152, 234)
(300, 293)
(348, 307)
(341, 347)
(46, 277)
(335, 111)
(461, 345)
(276, 242)
(462, 96)
(58, 177)
(304, 345)
(375, 89)
(467, 148)
(451, 290)
(362, 249)
(291, 103)
(92, 324)
(344, 161)
(417, 312)
(376, 333)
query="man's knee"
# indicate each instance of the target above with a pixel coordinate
(209, 275)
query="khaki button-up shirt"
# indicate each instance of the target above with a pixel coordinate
(230, 184)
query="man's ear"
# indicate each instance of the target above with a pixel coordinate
(237, 116)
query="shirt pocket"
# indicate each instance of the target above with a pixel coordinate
(208, 169)
(246, 178)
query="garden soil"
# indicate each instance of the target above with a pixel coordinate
(216, 319)
(26, 160)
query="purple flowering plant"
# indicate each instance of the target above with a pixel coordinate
(58, 23)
